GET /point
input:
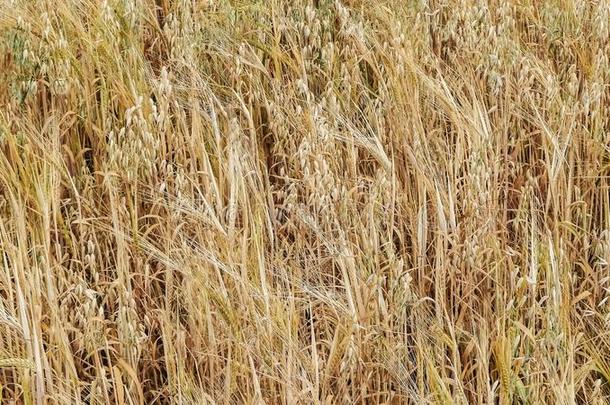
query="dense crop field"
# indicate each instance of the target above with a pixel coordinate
(304, 202)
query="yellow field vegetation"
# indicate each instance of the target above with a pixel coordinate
(304, 202)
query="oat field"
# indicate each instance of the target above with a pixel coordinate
(304, 202)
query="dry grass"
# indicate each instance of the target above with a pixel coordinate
(281, 202)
